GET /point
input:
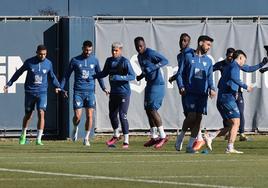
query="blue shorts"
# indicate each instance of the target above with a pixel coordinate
(84, 100)
(194, 103)
(227, 106)
(153, 97)
(32, 99)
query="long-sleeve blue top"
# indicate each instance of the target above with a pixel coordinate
(230, 79)
(119, 82)
(84, 68)
(195, 74)
(151, 62)
(180, 58)
(36, 79)
(246, 68)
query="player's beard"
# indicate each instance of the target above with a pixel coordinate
(203, 50)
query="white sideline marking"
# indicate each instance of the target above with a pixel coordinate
(122, 162)
(114, 178)
(204, 176)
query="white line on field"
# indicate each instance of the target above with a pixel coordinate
(141, 161)
(202, 176)
(115, 178)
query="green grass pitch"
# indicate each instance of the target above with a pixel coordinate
(67, 164)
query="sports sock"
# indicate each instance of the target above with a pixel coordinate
(199, 136)
(24, 131)
(126, 138)
(161, 132)
(180, 136)
(75, 128)
(230, 146)
(116, 132)
(213, 135)
(153, 131)
(191, 142)
(39, 134)
(87, 133)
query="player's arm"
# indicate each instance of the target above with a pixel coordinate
(179, 79)
(142, 75)
(54, 80)
(174, 77)
(15, 76)
(158, 62)
(212, 90)
(67, 74)
(104, 72)
(247, 68)
(100, 80)
(129, 76)
(235, 77)
(217, 66)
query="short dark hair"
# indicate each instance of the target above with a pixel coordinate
(229, 51)
(204, 38)
(185, 35)
(87, 43)
(137, 39)
(237, 53)
(41, 47)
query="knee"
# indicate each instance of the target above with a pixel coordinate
(123, 117)
(76, 119)
(191, 117)
(41, 113)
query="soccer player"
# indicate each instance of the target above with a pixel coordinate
(263, 70)
(239, 99)
(84, 67)
(38, 69)
(150, 62)
(195, 82)
(120, 73)
(184, 43)
(226, 102)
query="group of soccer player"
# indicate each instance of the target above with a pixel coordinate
(194, 79)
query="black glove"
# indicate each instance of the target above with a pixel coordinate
(265, 60)
(139, 77)
(262, 70)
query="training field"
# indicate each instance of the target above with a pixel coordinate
(66, 164)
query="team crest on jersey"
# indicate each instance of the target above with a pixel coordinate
(78, 103)
(85, 74)
(192, 106)
(44, 71)
(38, 79)
(193, 61)
(92, 66)
(204, 63)
(80, 65)
(32, 70)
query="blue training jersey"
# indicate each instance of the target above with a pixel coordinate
(84, 68)
(180, 60)
(120, 73)
(230, 79)
(36, 79)
(246, 68)
(195, 74)
(151, 62)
